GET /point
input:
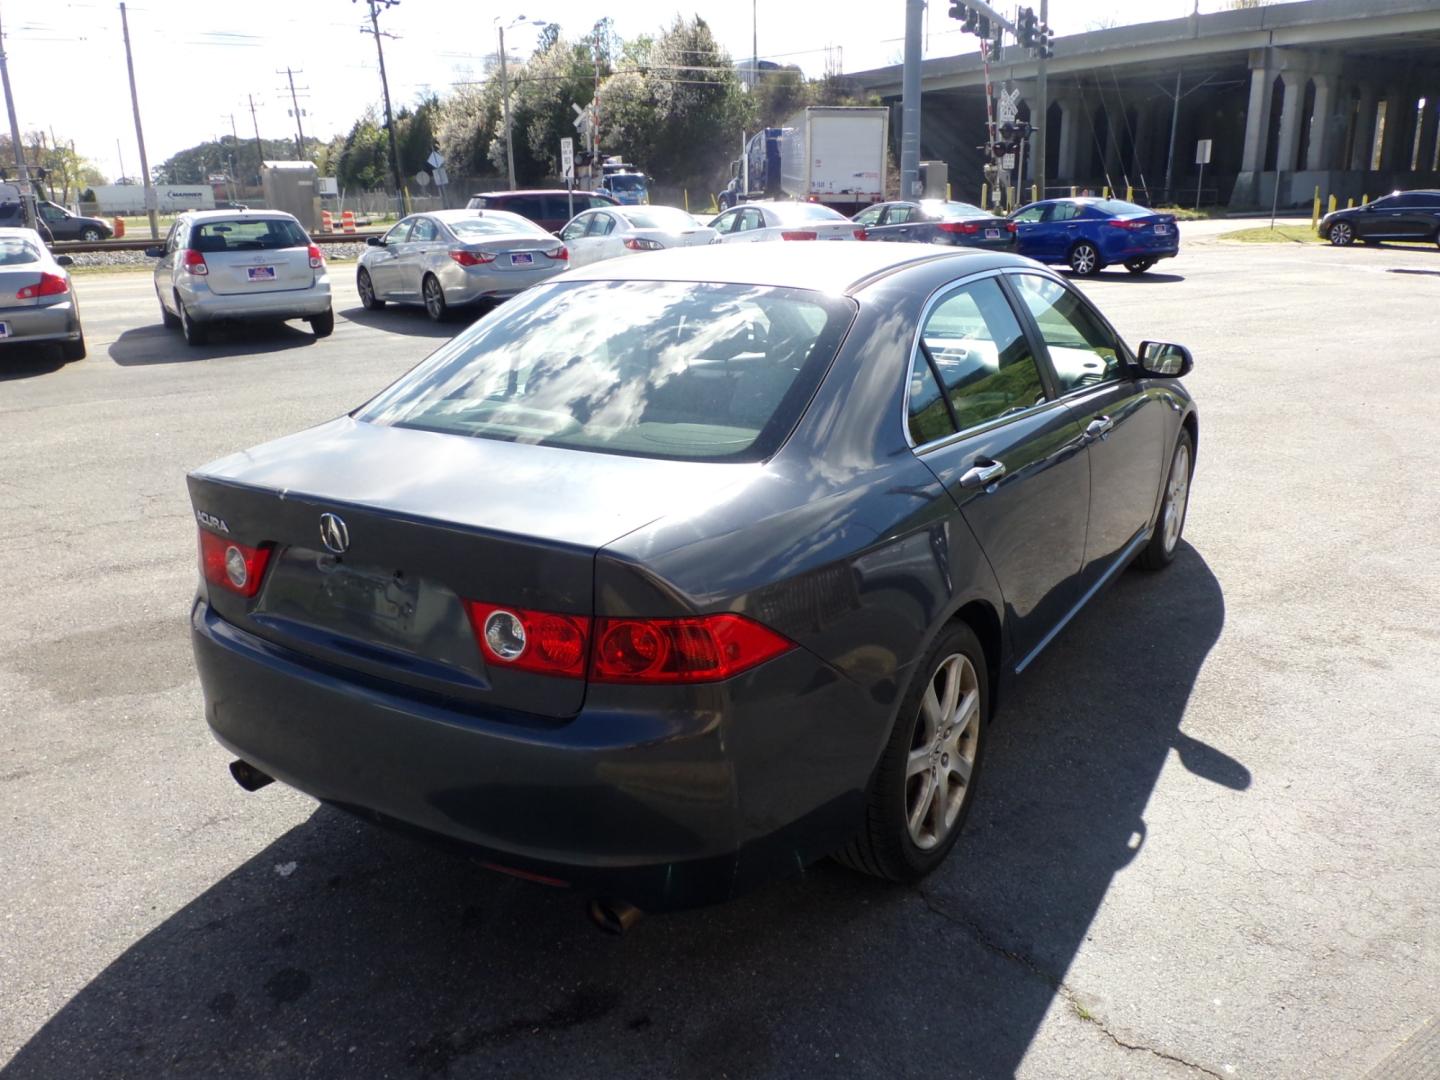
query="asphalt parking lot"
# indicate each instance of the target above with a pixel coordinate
(1205, 842)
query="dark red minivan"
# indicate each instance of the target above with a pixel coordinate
(548, 209)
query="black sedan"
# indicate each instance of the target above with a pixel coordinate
(1405, 215)
(936, 221)
(678, 573)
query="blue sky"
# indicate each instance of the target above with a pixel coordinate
(197, 60)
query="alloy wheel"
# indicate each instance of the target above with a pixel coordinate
(1083, 259)
(434, 299)
(365, 289)
(1177, 497)
(942, 752)
(1341, 234)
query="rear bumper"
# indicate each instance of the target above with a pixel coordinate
(207, 306)
(663, 799)
(476, 284)
(51, 322)
(1126, 253)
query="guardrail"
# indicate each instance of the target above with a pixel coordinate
(65, 247)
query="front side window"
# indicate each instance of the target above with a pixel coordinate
(980, 355)
(750, 219)
(1082, 350)
(1030, 213)
(899, 215)
(725, 222)
(576, 229)
(400, 232)
(868, 217)
(424, 231)
(648, 368)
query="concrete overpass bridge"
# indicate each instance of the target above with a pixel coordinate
(1339, 94)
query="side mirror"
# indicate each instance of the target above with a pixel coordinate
(1162, 360)
(155, 252)
(64, 260)
(375, 241)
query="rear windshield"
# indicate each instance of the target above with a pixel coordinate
(1119, 208)
(247, 235)
(656, 369)
(625, 182)
(658, 217)
(948, 210)
(16, 252)
(800, 211)
(476, 227)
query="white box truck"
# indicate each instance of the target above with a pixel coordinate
(836, 154)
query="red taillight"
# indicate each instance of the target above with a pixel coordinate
(861, 234)
(1126, 223)
(471, 258)
(968, 228)
(531, 640)
(232, 565)
(316, 259)
(798, 234)
(48, 285)
(194, 263)
(561, 253)
(1010, 226)
(703, 649)
(639, 243)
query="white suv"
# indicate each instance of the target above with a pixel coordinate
(220, 265)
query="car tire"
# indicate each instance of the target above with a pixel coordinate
(366, 288)
(73, 350)
(1342, 234)
(434, 297)
(196, 334)
(907, 833)
(1139, 266)
(168, 318)
(1084, 259)
(324, 325)
(1170, 524)
(91, 235)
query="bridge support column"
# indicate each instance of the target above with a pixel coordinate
(1429, 124)
(1291, 108)
(1070, 121)
(1392, 140)
(1257, 113)
(1322, 126)
(1364, 146)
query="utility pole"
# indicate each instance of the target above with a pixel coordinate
(910, 102)
(27, 198)
(1039, 165)
(295, 104)
(385, 88)
(259, 146)
(139, 132)
(505, 97)
(754, 47)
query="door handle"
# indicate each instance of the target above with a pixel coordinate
(983, 472)
(1099, 427)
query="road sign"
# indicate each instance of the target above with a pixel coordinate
(1007, 106)
(1008, 161)
(435, 160)
(441, 177)
(1202, 152)
(567, 158)
(422, 178)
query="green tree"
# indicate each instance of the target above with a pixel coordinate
(363, 160)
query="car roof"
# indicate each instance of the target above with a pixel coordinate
(818, 266)
(464, 215)
(199, 217)
(534, 191)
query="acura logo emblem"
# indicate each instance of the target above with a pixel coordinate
(333, 533)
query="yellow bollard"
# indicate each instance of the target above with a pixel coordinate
(947, 191)
(1105, 191)
(1364, 199)
(985, 196)
(1129, 193)
(1332, 202)
(1034, 193)
(1350, 203)
(1315, 210)
(1072, 191)
(687, 200)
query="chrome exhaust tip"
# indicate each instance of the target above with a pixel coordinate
(248, 776)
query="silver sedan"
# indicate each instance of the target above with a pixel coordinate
(620, 230)
(37, 304)
(454, 258)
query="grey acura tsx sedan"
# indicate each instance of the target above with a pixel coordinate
(678, 573)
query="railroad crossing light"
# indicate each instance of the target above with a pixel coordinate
(1025, 27)
(1045, 43)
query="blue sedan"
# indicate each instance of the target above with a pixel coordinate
(936, 221)
(1089, 234)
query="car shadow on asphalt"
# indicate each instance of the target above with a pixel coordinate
(1133, 279)
(157, 344)
(29, 361)
(344, 951)
(411, 320)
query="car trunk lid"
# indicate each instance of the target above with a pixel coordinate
(429, 521)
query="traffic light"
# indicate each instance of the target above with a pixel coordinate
(1045, 43)
(982, 27)
(1025, 27)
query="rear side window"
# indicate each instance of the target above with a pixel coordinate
(647, 368)
(980, 355)
(250, 234)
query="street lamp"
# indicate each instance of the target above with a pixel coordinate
(505, 90)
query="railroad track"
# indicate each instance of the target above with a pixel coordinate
(64, 247)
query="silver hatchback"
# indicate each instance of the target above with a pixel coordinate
(243, 265)
(455, 258)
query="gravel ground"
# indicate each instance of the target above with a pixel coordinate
(333, 253)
